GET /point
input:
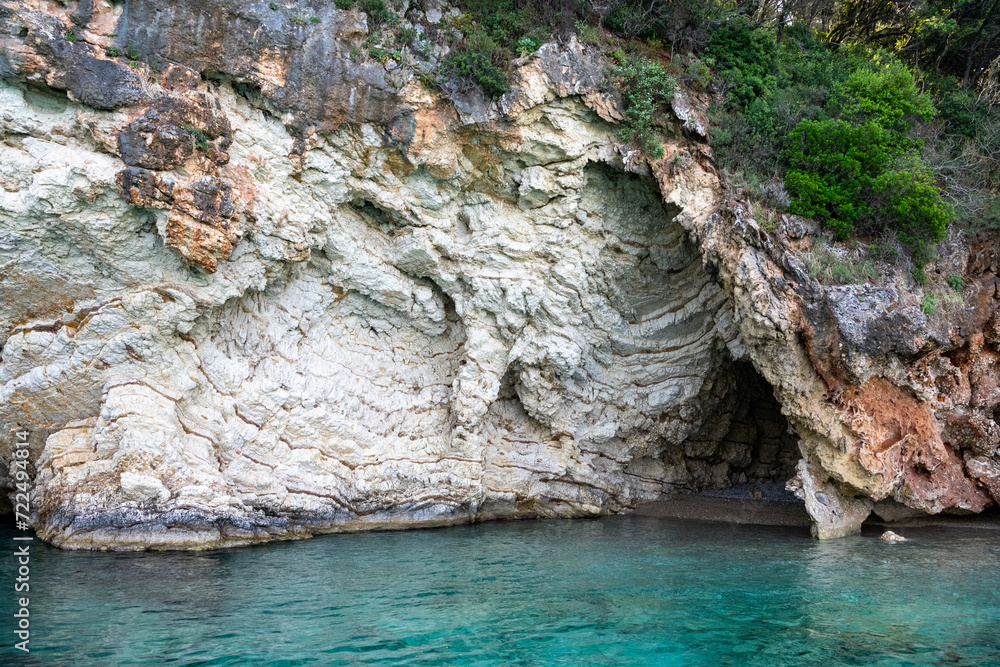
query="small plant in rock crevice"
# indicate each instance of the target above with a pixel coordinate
(930, 304)
(200, 139)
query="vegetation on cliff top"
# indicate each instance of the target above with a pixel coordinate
(878, 118)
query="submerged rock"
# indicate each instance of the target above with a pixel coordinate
(889, 536)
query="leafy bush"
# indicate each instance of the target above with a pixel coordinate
(626, 19)
(501, 21)
(831, 163)
(494, 32)
(199, 137)
(843, 175)
(588, 33)
(527, 45)
(769, 90)
(737, 46)
(378, 13)
(477, 66)
(865, 170)
(700, 73)
(885, 93)
(912, 206)
(644, 84)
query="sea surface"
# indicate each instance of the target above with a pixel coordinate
(612, 591)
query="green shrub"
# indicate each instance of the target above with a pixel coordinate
(912, 207)
(700, 73)
(273, 6)
(383, 54)
(588, 33)
(70, 36)
(736, 45)
(527, 45)
(885, 93)
(883, 249)
(630, 20)
(863, 168)
(502, 21)
(830, 164)
(844, 176)
(343, 4)
(113, 51)
(477, 66)
(644, 84)
(956, 282)
(424, 48)
(378, 13)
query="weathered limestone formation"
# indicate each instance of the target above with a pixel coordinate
(894, 409)
(256, 288)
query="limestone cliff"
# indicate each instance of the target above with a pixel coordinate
(257, 286)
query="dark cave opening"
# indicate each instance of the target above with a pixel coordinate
(749, 446)
(758, 424)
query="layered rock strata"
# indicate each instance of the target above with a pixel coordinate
(258, 287)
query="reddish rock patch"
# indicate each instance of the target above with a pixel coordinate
(900, 441)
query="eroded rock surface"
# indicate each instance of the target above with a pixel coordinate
(256, 288)
(892, 406)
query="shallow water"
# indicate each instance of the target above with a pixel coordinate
(614, 591)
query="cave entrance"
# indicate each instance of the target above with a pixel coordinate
(758, 423)
(756, 451)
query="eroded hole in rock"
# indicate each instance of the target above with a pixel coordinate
(47, 99)
(375, 216)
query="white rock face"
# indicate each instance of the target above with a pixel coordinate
(489, 323)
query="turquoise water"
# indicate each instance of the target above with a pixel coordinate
(615, 591)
